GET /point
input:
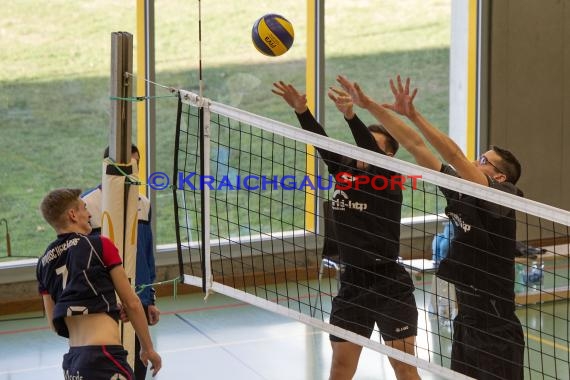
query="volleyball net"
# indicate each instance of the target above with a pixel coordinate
(254, 223)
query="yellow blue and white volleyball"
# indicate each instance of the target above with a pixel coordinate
(272, 35)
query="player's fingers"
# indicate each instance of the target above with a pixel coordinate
(393, 87)
(286, 88)
(156, 367)
(331, 96)
(339, 91)
(279, 85)
(407, 88)
(358, 89)
(414, 93)
(400, 87)
(343, 81)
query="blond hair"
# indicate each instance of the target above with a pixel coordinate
(55, 205)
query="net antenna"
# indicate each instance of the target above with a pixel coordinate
(204, 126)
(201, 83)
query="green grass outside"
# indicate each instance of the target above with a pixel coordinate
(54, 102)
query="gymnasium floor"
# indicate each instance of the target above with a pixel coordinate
(222, 339)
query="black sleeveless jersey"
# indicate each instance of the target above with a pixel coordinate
(481, 255)
(367, 217)
(74, 271)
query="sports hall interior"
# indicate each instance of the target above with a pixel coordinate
(524, 104)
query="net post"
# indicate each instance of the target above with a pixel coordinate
(121, 89)
(120, 197)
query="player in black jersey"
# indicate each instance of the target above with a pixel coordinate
(488, 341)
(78, 276)
(375, 288)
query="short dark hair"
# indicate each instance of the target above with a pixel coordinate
(56, 203)
(509, 165)
(134, 149)
(392, 143)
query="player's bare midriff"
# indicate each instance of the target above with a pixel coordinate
(92, 330)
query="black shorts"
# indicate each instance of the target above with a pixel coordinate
(383, 295)
(488, 352)
(97, 362)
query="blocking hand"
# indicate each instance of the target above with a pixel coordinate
(342, 101)
(296, 100)
(353, 89)
(403, 101)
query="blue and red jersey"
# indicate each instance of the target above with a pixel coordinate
(74, 271)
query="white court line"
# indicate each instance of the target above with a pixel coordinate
(237, 343)
(15, 371)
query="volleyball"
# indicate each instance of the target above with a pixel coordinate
(272, 35)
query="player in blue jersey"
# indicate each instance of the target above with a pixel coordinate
(78, 276)
(145, 267)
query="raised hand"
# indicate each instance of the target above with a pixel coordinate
(403, 101)
(353, 89)
(296, 100)
(342, 101)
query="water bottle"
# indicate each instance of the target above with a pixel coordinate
(532, 276)
(535, 274)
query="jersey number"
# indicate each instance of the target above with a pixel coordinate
(62, 270)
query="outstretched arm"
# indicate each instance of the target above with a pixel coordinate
(404, 134)
(292, 97)
(360, 132)
(298, 102)
(446, 147)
